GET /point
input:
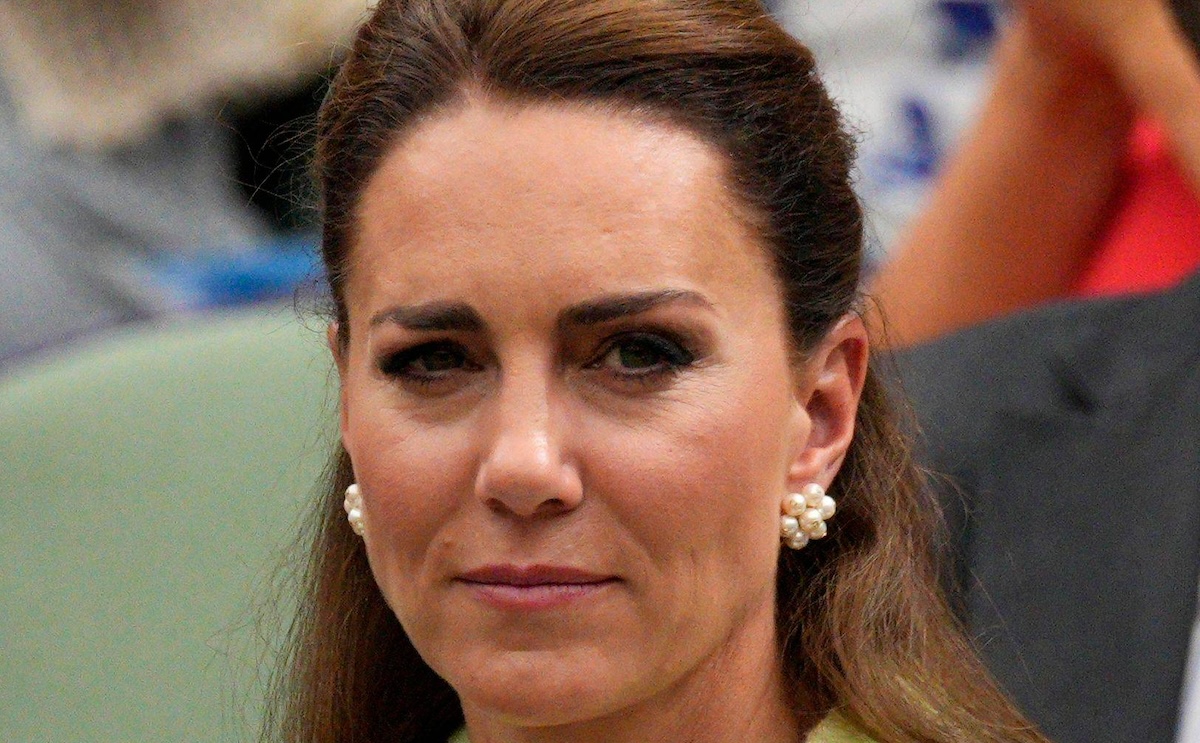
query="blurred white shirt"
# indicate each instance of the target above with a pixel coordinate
(909, 75)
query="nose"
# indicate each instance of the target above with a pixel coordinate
(524, 470)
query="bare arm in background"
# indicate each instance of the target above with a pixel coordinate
(1150, 57)
(1018, 206)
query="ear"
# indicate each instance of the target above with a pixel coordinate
(340, 353)
(831, 385)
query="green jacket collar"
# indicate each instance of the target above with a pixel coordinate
(833, 729)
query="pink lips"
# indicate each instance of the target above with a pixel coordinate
(533, 587)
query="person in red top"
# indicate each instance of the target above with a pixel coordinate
(1151, 239)
(1045, 197)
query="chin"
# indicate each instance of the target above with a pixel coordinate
(541, 688)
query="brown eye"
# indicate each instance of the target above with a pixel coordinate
(427, 362)
(439, 360)
(642, 354)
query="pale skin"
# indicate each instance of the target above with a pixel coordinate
(567, 348)
(1018, 207)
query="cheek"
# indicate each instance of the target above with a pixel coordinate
(412, 478)
(702, 490)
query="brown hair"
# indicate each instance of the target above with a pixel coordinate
(862, 623)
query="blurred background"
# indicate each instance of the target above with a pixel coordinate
(153, 158)
(164, 407)
(163, 403)
(154, 152)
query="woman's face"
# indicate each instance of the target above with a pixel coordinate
(571, 408)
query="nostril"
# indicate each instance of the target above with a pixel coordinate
(528, 506)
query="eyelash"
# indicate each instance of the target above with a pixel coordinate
(670, 354)
(402, 364)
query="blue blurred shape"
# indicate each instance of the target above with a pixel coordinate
(228, 278)
(966, 28)
(915, 157)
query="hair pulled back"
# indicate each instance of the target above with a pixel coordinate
(862, 624)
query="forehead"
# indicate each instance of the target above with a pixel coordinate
(588, 199)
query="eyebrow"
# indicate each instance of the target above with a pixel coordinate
(458, 316)
(431, 316)
(607, 309)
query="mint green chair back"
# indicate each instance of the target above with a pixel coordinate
(150, 483)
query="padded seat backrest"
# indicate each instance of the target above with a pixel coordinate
(149, 483)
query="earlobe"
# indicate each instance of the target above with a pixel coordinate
(836, 374)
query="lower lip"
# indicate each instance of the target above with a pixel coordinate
(538, 597)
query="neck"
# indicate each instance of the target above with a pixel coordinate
(738, 694)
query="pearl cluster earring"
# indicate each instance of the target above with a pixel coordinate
(353, 505)
(804, 516)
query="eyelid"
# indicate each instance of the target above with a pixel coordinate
(678, 351)
(393, 363)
